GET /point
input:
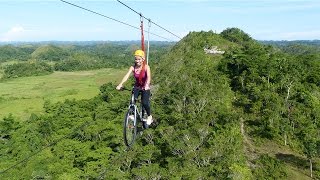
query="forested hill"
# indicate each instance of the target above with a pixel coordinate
(226, 106)
(40, 58)
(286, 43)
(296, 47)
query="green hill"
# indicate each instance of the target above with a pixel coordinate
(9, 53)
(226, 106)
(49, 52)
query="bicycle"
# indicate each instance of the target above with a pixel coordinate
(134, 114)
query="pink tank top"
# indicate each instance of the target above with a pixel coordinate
(136, 76)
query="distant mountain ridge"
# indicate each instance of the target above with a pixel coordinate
(53, 42)
(285, 42)
(250, 113)
(85, 43)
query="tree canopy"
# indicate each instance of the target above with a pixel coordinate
(212, 110)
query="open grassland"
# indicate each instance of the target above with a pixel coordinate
(23, 96)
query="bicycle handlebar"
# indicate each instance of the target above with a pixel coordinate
(125, 89)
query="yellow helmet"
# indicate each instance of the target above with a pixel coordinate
(139, 53)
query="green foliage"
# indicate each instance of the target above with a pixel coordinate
(8, 125)
(82, 55)
(9, 52)
(236, 35)
(268, 83)
(278, 91)
(49, 53)
(199, 101)
(27, 69)
(194, 104)
(297, 47)
(78, 62)
(269, 168)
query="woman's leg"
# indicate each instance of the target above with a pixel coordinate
(145, 97)
(136, 92)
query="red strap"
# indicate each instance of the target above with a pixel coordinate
(142, 48)
(142, 36)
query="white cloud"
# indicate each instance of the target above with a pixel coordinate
(17, 29)
(13, 34)
(19, 33)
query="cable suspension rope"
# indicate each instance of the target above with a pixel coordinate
(142, 35)
(87, 123)
(129, 8)
(110, 18)
(148, 19)
(142, 39)
(149, 25)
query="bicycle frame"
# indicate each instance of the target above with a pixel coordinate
(130, 131)
(134, 105)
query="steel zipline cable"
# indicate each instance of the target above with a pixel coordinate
(148, 19)
(86, 123)
(94, 12)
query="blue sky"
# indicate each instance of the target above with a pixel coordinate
(44, 20)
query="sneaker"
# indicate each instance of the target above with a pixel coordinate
(131, 117)
(149, 120)
(144, 119)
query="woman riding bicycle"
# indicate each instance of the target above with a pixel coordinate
(142, 75)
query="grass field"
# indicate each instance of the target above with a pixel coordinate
(23, 96)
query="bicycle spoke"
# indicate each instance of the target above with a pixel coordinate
(130, 129)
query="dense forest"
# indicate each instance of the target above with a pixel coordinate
(220, 115)
(286, 43)
(41, 58)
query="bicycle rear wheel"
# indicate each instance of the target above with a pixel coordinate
(130, 127)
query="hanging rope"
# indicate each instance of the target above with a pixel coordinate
(149, 19)
(149, 25)
(142, 48)
(142, 36)
(94, 12)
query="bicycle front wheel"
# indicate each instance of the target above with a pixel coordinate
(130, 127)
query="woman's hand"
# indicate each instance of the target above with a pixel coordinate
(147, 87)
(119, 87)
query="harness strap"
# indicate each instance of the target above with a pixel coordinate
(149, 25)
(142, 36)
